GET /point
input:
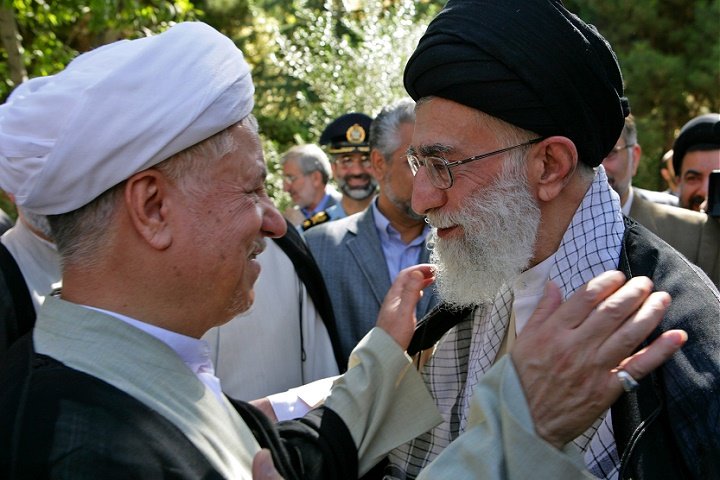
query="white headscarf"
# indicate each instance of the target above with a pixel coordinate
(118, 110)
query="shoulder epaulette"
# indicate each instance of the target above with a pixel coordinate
(317, 219)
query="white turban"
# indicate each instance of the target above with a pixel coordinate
(118, 110)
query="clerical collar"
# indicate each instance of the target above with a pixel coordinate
(528, 288)
(194, 352)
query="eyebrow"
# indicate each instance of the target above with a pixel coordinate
(693, 172)
(430, 150)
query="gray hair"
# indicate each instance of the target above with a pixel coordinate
(81, 234)
(516, 161)
(385, 129)
(310, 158)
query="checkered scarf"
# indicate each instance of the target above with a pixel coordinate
(591, 245)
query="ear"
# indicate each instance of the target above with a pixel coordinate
(147, 206)
(316, 178)
(551, 166)
(377, 161)
(636, 152)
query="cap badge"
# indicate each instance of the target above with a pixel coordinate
(355, 134)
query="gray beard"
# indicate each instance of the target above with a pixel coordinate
(500, 225)
(358, 193)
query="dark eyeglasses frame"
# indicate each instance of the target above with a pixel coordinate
(416, 162)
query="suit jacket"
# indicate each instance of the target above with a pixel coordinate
(351, 259)
(690, 233)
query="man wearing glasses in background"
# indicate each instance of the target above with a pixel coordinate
(657, 211)
(306, 172)
(360, 255)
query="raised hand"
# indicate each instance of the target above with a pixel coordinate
(397, 313)
(568, 355)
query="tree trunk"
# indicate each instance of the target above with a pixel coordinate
(10, 37)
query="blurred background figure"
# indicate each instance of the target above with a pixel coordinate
(306, 172)
(696, 153)
(686, 231)
(361, 255)
(621, 165)
(667, 172)
(346, 139)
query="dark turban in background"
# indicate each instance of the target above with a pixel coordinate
(530, 63)
(700, 133)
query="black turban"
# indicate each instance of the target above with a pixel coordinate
(530, 63)
(700, 133)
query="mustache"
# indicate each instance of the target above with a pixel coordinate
(696, 201)
(362, 176)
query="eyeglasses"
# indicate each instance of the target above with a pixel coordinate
(438, 169)
(347, 161)
(618, 149)
(291, 178)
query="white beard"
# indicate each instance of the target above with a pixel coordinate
(500, 226)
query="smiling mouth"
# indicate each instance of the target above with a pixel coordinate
(259, 247)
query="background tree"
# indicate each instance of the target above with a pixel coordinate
(669, 52)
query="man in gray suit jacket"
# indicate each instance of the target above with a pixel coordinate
(360, 255)
(690, 233)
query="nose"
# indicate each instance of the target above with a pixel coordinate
(274, 225)
(356, 168)
(703, 191)
(425, 196)
(286, 186)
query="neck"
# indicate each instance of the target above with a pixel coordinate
(555, 218)
(316, 201)
(350, 205)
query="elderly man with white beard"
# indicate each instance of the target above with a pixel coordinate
(506, 153)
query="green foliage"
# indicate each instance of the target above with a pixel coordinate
(322, 62)
(669, 52)
(52, 33)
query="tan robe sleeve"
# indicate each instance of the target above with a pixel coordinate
(381, 398)
(500, 441)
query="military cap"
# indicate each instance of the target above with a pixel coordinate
(347, 133)
(700, 133)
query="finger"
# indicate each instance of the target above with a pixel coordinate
(649, 358)
(263, 467)
(623, 341)
(572, 313)
(616, 310)
(397, 313)
(426, 269)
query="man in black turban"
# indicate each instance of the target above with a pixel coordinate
(696, 153)
(518, 102)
